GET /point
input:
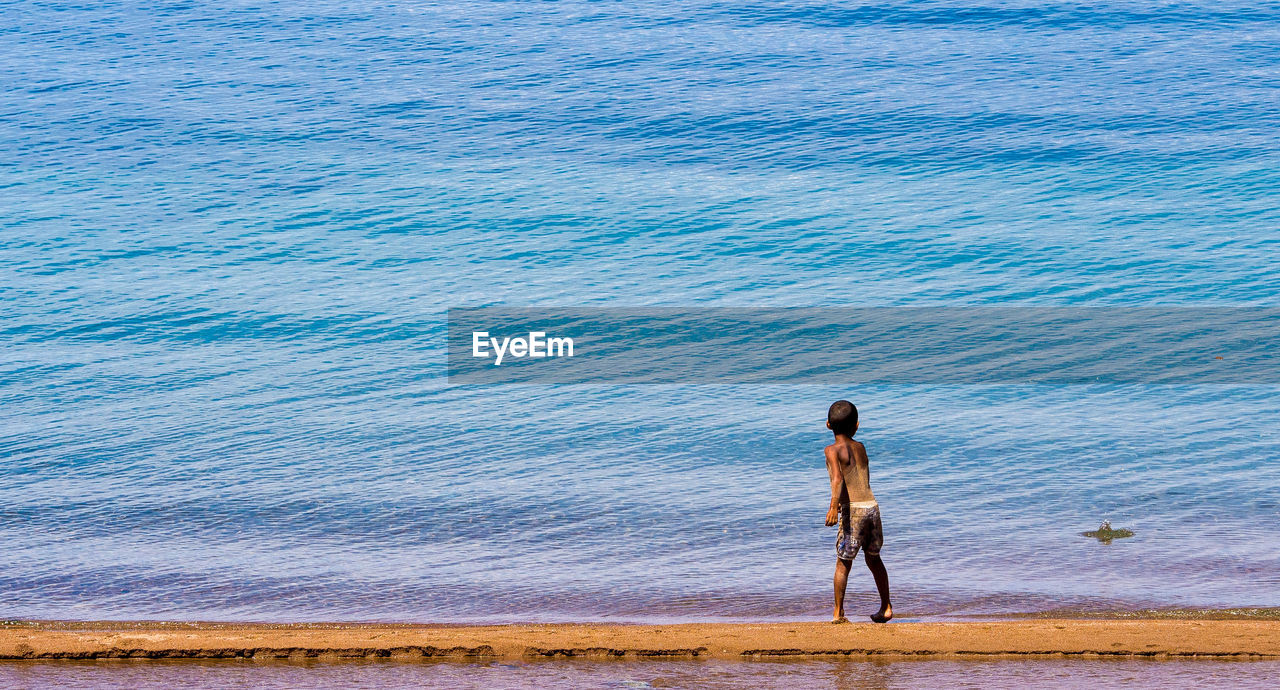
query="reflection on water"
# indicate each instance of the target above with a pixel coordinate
(656, 674)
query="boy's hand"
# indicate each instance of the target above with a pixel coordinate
(832, 516)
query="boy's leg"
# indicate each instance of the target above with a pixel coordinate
(876, 566)
(841, 581)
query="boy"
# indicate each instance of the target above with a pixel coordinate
(855, 508)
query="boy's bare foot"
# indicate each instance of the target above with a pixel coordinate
(884, 615)
(838, 620)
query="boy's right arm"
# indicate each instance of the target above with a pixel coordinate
(837, 486)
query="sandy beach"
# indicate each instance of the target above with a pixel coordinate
(743, 641)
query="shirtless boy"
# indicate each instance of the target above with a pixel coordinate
(855, 508)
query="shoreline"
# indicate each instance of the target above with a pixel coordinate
(1156, 638)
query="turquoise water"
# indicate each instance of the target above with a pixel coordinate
(231, 232)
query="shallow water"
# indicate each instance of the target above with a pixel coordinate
(231, 232)
(655, 674)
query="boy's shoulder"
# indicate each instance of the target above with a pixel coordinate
(835, 447)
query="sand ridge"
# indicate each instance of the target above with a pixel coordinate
(744, 641)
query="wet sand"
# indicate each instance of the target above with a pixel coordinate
(745, 641)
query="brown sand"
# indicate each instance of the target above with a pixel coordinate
(1108, 638)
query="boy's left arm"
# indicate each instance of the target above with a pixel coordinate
(837, 486)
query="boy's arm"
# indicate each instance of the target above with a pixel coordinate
(837, 486)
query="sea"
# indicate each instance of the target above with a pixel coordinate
(863, 675)
(231, 233)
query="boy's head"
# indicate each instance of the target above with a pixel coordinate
(842, 417)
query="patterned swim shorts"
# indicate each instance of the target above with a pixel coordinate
(859, 528)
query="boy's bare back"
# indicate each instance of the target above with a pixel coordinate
(847, 458)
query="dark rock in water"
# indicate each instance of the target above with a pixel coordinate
(1105, 533)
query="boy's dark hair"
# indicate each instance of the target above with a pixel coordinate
(843, 417)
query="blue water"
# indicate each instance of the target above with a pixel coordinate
(231, 231)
